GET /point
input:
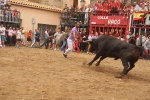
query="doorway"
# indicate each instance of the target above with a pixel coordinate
(43, 29)
(75, 3)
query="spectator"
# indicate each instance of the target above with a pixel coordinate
(14, 37)
(126, 11)
(83, 44)
(23, 36)
(66, 8)
(0, 37)
(147, 48)
(34, 38)
(136, 6)
(7, 5)
(87, 14)
(90, 37)
(57, 36)
(3, 37)
(15, 16)
(140, 44)
(10, 33)
(29, 36)
(128, 37)
(18, 38)
(72, 9)
(143, 8)
(132, 40)
(50, 38)
(37, 36)
(46, 40)
(65, 37)
(1, 4)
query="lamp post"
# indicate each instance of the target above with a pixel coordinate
(82, 2)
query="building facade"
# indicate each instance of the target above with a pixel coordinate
(35, 15)
(61, 3)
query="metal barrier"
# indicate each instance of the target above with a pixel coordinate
(72, 17)
(9, 16)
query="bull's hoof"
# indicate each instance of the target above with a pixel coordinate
(97, 64)
(89, 64)
(120, 76)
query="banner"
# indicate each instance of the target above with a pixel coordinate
(139, 16)
(109, 20)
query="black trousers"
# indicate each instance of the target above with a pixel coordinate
(83, 46)
(46, 43)
(9, 40)
(13, 40)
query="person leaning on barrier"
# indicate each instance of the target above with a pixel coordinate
(147, 48)
(140, 44)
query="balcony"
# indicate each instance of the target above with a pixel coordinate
(69, 18)
(9, 16)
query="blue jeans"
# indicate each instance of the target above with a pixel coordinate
(64, 44)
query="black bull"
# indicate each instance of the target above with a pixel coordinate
(108, 46)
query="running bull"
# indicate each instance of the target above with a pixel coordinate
(108, 46)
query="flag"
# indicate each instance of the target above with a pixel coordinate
(140, 16)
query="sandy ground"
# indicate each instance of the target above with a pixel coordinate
(40, 74)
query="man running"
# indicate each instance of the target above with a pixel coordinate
(72, 38)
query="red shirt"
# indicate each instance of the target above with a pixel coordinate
(112, 4)
(97, 5)
(29, 35)
(105, 5)
(118, 4)
(15, 13)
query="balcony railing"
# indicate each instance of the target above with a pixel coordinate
(11, 16)
(72, 17)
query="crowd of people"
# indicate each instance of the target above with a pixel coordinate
(57, 40)
(118, 7)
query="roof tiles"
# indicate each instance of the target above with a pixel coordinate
(35, 5)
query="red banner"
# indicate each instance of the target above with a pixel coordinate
(109, 20)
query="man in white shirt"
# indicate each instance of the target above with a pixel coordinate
(0, 37)
(18, 38)
(46, 41)
(57, 36)
(128, 37)
(23, 36)
(3, 38)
